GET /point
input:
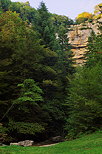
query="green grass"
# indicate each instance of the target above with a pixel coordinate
(89, 144)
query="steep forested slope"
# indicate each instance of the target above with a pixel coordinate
(33, 57)
(42, 94)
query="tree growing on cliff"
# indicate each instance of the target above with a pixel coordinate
(83, 17)
(46, 28)
(98, 11)
(94, 54)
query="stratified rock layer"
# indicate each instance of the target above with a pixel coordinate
(78, 37)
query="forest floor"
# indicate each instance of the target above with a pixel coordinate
(88, 144)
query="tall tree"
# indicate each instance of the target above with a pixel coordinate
(27, 13)
(21, 55)
(26, 120)
(46, 28)
(84, 101)
(98, 11)
(94, 54)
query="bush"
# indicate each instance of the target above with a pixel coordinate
(3, 134)
(25, 128)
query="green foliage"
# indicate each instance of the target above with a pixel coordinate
(83, 28)
(85, 101)
(30, 54)
(3, 133)
(26, 12)
(55, 113)
(98, 11)
(59, 20)
(25, 128)
(2, 129)
(20, 49)
(5, 4)
(30, 92)
(94, 54)
(29, 96)
(45, 28)
(11, 27)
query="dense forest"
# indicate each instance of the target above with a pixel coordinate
(42, 93)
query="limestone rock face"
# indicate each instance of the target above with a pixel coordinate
(78, 37)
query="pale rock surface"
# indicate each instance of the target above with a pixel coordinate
(78, 38)
(24, 143)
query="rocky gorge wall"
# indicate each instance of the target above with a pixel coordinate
(78, 38)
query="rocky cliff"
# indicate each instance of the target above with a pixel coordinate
(78, 37)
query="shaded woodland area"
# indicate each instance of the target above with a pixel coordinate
(42, 94)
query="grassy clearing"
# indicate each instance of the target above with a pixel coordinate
(89, 144)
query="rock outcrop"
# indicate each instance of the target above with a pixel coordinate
(78, 38)
(57, 139)
(24, 143)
